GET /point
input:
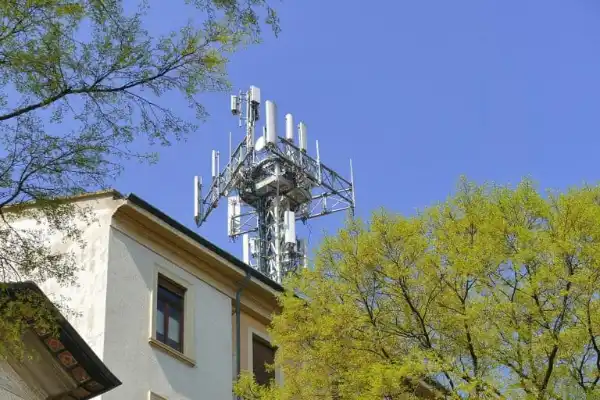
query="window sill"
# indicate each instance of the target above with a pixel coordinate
(154, 396)
(172, 352)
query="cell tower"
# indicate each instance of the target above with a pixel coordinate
(270, 183)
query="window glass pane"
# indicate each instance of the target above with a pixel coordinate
(174, 325)
(160, 322)
(169, 316)
(262, 355)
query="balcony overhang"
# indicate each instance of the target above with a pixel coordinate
(59, 365)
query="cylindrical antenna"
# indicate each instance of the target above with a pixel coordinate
(318, 155)
(302, 140)
(289, 127)
(246, 248)
(319, 162)
(305, 254)
(218, 164)
(290, 226)
(197, 199)
(214, 163)
(271, 121)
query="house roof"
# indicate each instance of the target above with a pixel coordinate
(67, 347)
(143, 204)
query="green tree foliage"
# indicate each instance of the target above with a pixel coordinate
(80, 81)
(493, 294)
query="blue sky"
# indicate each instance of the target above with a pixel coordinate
(417, 93)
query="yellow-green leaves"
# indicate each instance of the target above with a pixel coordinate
(492, 294)
(70, 9)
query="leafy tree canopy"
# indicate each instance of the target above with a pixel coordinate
(80, 81)
(493, 294)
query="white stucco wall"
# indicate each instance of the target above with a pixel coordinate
(143, 368)
(83, 303)
(111, 310)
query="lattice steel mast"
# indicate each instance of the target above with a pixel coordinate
(271, 183)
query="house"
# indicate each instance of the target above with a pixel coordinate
(173, 316)
(56, 363)
(159, 304)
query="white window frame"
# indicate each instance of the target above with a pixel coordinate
(178, 276)
(251, 332)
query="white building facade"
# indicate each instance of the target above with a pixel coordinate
(156, 303)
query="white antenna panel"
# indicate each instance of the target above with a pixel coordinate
(302, 140)
(290, 227)
(271, 117)
(254, 94)
(233, 210)
(318, 154)
(197, 198)
(305, 251)
(246, 248)
(235, 108)
(289, 127)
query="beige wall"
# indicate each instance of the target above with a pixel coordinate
(248, 325)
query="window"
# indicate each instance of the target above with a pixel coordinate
(262, 355)
(171, 319)
(169, 313)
